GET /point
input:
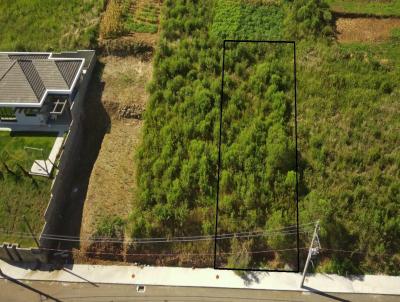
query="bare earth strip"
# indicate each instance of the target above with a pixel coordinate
(112, 183)
(365, 29)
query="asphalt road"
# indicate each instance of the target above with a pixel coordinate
(60, 291)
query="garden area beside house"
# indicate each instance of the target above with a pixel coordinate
(22, 195)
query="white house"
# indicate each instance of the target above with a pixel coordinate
(40, 88)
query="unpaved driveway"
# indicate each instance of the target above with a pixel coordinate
(112, 184)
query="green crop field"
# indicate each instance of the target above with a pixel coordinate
(239, 20)
(22, 194)
(41, 25)
(370, 7)
(348, 138)
(145, 18)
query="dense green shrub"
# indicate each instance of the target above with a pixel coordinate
(242, 20)
(110, 227)
(347, 134)
(308, 19)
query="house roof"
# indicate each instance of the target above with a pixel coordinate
(26, 78)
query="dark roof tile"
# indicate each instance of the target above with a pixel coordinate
(33, 77)
(27, 56)
(68, 70)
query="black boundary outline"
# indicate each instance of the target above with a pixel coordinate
(219, 159)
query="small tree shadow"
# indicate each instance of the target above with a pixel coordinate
(249, 277)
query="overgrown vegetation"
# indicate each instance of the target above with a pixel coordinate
(40, 25)
(347, 116)
(22, 194)
(257, 175)
(257, 20)
(108, 239)
(178, 157)
(308, 19)
(348, 138)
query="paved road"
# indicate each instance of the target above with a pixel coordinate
(61, 291)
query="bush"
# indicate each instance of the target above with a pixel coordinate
(308, 19)
(110, 227)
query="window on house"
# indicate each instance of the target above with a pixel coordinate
(7, 115)
(31, 112)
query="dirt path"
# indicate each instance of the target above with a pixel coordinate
(112, 184)
(365, 29)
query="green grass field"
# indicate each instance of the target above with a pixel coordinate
(235, 19)
(379, 8)
(20, 194)
(48, 24)
(347, 140)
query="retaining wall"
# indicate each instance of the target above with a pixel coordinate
(13, 253)
(62, 185)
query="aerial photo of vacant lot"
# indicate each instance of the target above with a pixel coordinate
(151, 196)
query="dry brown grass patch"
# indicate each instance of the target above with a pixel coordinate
(125, 82)
(365, 29)
(111, 24)
(112, 185)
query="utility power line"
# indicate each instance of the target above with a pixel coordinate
(165, 240)
(288, 228)
(173, 254)
(283, 231)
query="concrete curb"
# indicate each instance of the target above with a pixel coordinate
(207, 277)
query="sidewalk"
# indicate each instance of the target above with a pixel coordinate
(44, 168)
(207, 277)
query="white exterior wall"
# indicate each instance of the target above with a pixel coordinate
(22, 119)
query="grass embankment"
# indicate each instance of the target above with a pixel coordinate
(40, 25)
(377, 8)
(21, 194)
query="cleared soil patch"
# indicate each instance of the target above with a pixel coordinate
(365, 29)
(112, 184)
(125, 81)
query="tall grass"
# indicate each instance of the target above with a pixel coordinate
(39, 25)
(22, 195)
